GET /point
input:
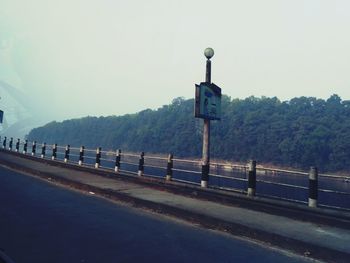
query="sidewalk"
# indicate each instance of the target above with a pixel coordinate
(321, 241)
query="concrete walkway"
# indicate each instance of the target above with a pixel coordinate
(320, 241)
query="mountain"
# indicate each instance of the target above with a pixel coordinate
(299, 133)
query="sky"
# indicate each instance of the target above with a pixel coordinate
(74, 58)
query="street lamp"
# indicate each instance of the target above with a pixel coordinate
(208, 53)
(207, 107)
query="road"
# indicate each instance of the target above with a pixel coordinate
(40, 222)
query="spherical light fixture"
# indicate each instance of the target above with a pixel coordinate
(209, 52)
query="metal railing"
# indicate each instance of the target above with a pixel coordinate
(332, 191)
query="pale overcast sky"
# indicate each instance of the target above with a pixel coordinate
(110, 57)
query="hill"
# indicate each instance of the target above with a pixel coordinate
(299, 133)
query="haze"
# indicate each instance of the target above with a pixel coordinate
(76, 58)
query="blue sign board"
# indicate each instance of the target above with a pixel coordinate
(208, 101)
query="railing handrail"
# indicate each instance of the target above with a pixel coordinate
(194, 161)
(251, 170)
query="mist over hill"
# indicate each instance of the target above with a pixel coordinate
(301, 132)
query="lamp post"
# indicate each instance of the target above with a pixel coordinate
(208, 53)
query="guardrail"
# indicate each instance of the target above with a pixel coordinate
(311, 188)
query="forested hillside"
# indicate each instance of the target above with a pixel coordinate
(301, 132)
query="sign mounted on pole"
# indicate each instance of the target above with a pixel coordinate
(208, 101)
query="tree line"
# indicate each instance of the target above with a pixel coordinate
(298, 133)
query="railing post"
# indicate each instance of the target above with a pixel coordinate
(205, 175)
(10, 144)
(54, 152)
(43, 150)
(169, 169)
(81, 155)
(141, 164)
(313, 187)
(98, 157)
(4, 143)
(66, 154)
(251, 178)
(17, 145)
(34, 148)
(25, 147)
(117, 160)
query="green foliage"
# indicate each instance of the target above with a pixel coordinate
(300, 133)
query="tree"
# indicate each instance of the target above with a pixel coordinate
(302, 132)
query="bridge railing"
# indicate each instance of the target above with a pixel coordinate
(327, 190)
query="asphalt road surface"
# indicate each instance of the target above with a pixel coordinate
(40, 222)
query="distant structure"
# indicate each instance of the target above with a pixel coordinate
(1, 115)
(18, 119)
(14, 101)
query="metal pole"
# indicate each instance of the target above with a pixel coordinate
(34, 148)
(313, 187)
(206, 137)
(81, 155)
(251, 178)
(208, 72)
(141, 164)
(117, 160)
(66, 154)
(43, 150)
(54, 151)
(98, 157)
(169, 170)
